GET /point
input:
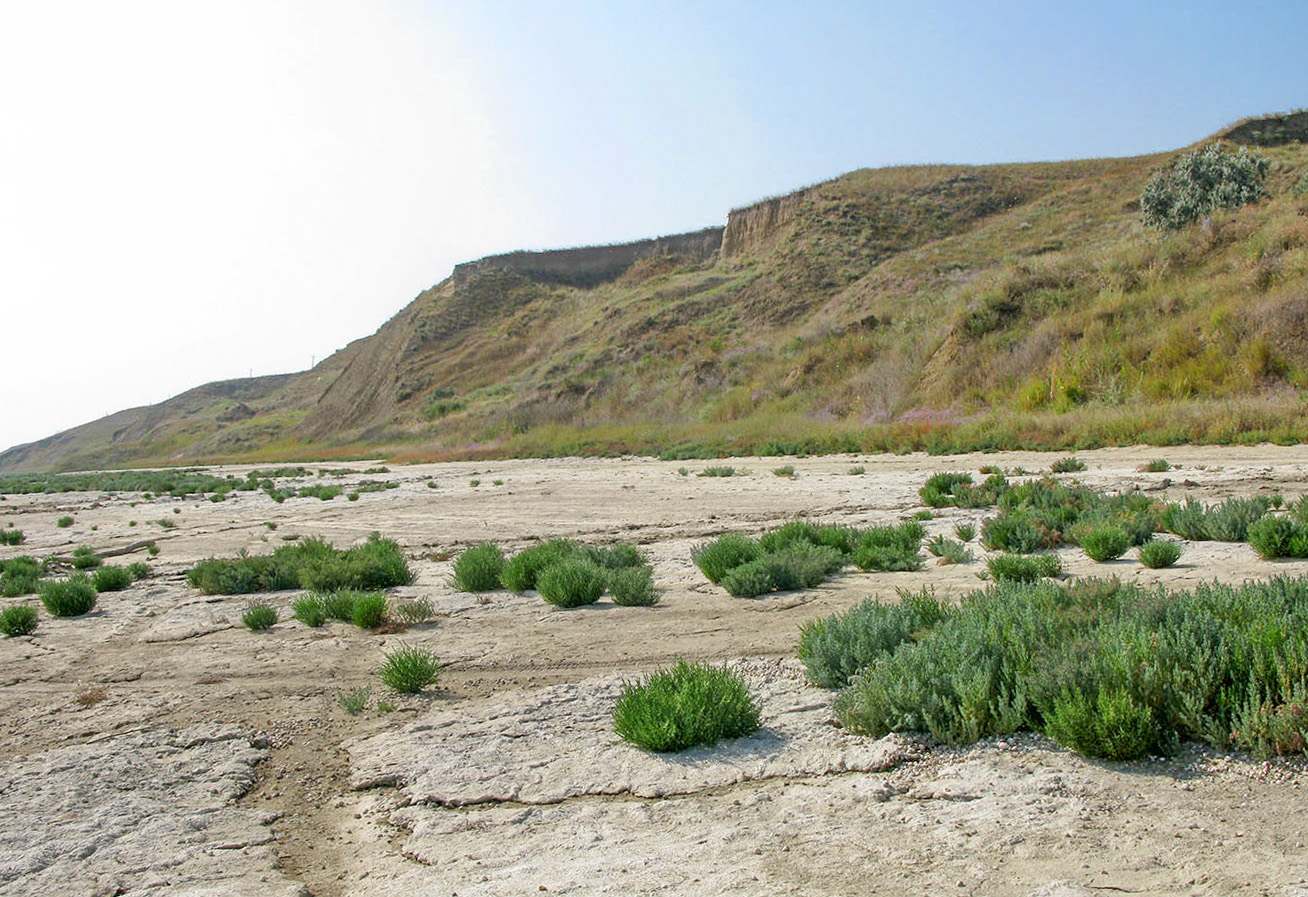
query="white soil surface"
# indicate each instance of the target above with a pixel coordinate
(155, 746)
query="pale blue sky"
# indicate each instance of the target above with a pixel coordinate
(194, 191)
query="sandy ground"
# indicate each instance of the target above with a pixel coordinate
(157, 747)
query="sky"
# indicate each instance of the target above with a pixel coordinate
(200, 191)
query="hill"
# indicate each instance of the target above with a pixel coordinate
(945, 307)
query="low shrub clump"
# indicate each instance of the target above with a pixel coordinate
(19, 576)
(571, 582)
(1104, 543)
(1107, 669)
(890, 548)
(413, 612)
(84, 558)
(409, 669)
(1157, 465)
(1159, 553)
(950, 551)
(1067, 465)
(18, 620)
(309, 564)
(1279, 536)
(966, 532)
(323, 492)
(1228, 521)
(259, 615)
(10, 536)
(69, 597)
(720, 471)
(478, 569)
(633, 587)
(64, 522)
(111, 579)
(717, 558)
(309, 610)
(1023, 567)
(835, 648)
(685, 706)
(519, 572)
(339, 605)
(369, 610)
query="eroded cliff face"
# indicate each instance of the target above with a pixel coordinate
(757, 228)
(588, 266)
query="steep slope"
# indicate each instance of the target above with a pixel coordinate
(927, 306)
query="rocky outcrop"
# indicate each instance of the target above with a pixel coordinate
(755, 228)
(591, 265)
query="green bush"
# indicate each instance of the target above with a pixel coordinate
(938, 492)
(69, 597)
(1108, 723)
(478, 568)
(966, 532)
(1274, 536)
(890, 548)
(717, 558)
(19, 619)
(339, 605)
(1157, 465)
(721, 471)
(571, 583)
(520, 571)
(835, 648)
(1159, 553)
(685, 706)
(354, 701)
(785, 470)
(11, 537)
(19, 576)
(64, 522)
(1067, 465)
(749, 580)
(949, 550)
(84, 558)
(1023, 568)
(633, 587)
(1104, 543)
(259, 615)
(310, 564)
(1199, 183)
(617, 556)
(409, 669)
(1228, 521)
(111, 579)
(138, 570)
(323, 492)
(309, 610)
(369, 610)
(415, 611)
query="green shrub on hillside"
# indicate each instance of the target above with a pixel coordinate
(1104, 543)
(1199, 183)
(1023, 567)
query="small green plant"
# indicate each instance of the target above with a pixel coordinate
(177, 510)
(1159, 553)
(1104, 543)
(409, 669)
(685, 706)
(11, 536)
(857, 470)
(84, 558)
(19, 619)
(478, 569)
(354, 701)
(497, 482)
(152, 549)
(414, 611)
(966, 532)
(385, 707)
(1157, 465)
(138, 570)
(259, 615)
(1023, 567)
(633, 587)
(1199, 183)
(718, 471)
(323, 492)
(64, 522)
(474, 483)
(718, 557)
(166, 523)
(339, 605)
(19, 576)
(431, 484)
(131, 523)
(369, 611)
(949, 550)
(571, 583)
(785, 470)
(69, 597)
(111, 579)
(683, 471)
(1067, 465)
(1228, 521)
(353, 496)
(836, 648)
(310, 611)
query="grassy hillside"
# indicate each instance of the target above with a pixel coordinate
(937, 307)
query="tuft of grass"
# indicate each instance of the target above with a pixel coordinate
(717, 558)
(69, 597)
(369, 610)
(572, 582)
(19, 576)
(354, 701)
(64, 522)
(259, 615)
(478, 568)
(719, 471)
(685, 706)
(1159, 553)
(1157, 465)
(84, 558)
(966, 532)
(1070, 464)
(310, 610)
(414, 611)
(166, 522)
(409, 669)
(474, 483)
(339, 605)
(1104, 543)
(10, 536)
(949, 550)
(857, 470)
(633, 586)
(20, 619)
(111, 579)
(520, 571)
(1023, 567)
(1228, 521)
(785, 470)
